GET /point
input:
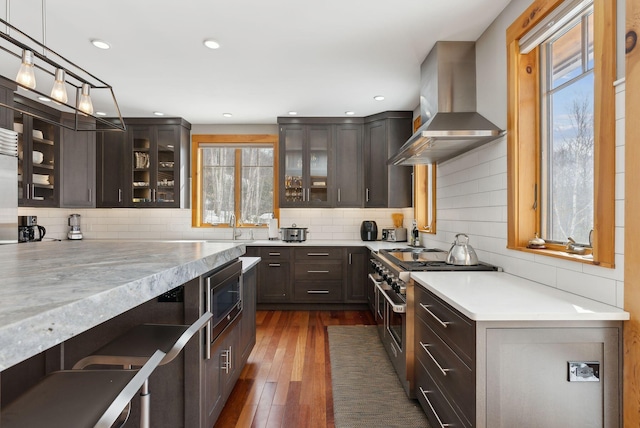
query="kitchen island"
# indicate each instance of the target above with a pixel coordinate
(52, 291)
(62, 300)
(493, 349)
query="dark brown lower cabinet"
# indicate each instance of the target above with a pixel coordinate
(303, 276)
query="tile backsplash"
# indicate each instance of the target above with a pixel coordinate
(149, 223)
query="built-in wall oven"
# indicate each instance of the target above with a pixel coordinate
(223, 298)
(394, 300)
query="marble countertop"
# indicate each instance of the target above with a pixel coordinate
(52, 291)
(498, 296)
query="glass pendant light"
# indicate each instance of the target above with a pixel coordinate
(85, 105)
(59, 90)
(26, 77)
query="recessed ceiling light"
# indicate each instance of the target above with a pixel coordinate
(379, 97)
(158, 113)
(101, 113)
(227, 114)
(349, 113)
(293, 113)
(100, 44)
(45, 99)
(211, 44)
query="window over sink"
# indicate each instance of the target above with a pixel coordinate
(234, 180)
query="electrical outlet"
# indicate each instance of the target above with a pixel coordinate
(584, 371)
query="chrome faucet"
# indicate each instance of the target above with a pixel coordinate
(232, 223)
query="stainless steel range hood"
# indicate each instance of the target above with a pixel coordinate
(451, 125)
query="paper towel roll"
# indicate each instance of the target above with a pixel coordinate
(273, 228)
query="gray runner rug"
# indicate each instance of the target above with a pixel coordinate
(366, 389)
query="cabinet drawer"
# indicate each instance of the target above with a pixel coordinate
(453, 376)
(283, 253)
(318, 271)
(439, 411)
(318, 291)
(318, 253)
(455, 329)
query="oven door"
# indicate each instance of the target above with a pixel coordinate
(394, 317)
(379, 303)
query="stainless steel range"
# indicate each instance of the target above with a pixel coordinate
(394, 300)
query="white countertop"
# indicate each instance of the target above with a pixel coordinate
(52, 291)
(249, 262)
(498, 296)
(372, 245)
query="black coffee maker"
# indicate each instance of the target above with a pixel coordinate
(28, 229)
(369, 230)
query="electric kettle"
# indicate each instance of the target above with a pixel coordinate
(461, 253)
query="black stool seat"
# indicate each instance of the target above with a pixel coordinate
(78, 398)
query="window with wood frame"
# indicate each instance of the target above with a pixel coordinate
(561, 129)
(234, 180)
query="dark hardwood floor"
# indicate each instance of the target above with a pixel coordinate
(287, 379)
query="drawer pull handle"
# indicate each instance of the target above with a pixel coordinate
(318, 254)
(424, 394)
(274, 264)
(317, 271)
(317, 291)
(274, 254)
(442, 323)
(425, 346)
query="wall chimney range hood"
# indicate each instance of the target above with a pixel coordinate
(451, 125)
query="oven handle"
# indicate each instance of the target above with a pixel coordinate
(399, 309)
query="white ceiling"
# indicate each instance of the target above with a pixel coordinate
(318, 58)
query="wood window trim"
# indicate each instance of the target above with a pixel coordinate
(196, 168)
(421, 204)
(523, 135)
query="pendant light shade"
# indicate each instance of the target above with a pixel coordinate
(59, 90)
(26, 77)
(84, 104)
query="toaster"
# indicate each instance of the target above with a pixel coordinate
(395, 234)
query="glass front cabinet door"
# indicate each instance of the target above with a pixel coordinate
(305, 165)
(154, 165)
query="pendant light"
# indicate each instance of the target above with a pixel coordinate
(59, 90)
(26, 77)
(84, 104)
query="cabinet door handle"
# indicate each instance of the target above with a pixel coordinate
(119, 195)
(424, 394)
(304, 198)
(274, 264)
(442, 323)
(274, 254)
(317, 271)
(90, 198)
(338, 194)
(350, 258)
(318, 254)
(317, 291)
(367, 195)
(425, 346)
(308, 194)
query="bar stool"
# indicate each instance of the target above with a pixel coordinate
(136, 346)
(78, 398)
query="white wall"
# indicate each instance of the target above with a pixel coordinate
(472, 188)
(149, 223)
